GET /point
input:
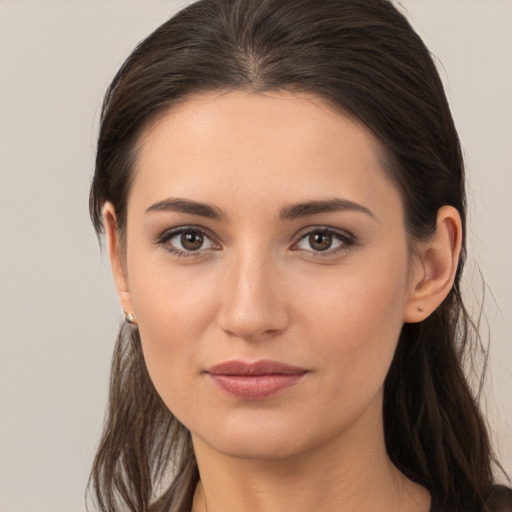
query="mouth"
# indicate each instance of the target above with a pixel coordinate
(254, 381)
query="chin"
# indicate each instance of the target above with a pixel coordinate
(262, 440)
(260, 448)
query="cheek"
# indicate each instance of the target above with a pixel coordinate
(172, 305)
(344, 321)
(355, 321)
(173, 310)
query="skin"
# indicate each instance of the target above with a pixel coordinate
(258, 288)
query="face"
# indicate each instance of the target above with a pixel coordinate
(267, 268)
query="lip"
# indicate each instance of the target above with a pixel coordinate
(254, 381)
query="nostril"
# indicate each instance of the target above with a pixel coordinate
(247, 318)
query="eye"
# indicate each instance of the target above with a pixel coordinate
(186, 241)
(328, 240)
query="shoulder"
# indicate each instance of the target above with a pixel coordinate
(500, 499)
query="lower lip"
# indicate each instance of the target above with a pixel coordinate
(255, 387)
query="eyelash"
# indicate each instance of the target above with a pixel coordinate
(347, 240)
(168, 235)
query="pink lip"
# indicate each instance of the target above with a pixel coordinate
(254, 381)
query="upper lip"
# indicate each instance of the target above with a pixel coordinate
(263, 367)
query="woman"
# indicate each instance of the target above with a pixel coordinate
(282, 190)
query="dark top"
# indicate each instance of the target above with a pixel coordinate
(499, 500)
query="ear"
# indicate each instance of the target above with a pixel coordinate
(435, 267)
(117, 260)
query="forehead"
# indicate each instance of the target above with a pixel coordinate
(248, 149)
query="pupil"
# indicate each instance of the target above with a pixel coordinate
(320, 242)
(192, 240)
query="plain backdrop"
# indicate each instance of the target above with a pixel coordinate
(58, 310)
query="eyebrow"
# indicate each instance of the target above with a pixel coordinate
(290, 212)
(299, 210)
(187, 206)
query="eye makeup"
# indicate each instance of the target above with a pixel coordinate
(194, 241)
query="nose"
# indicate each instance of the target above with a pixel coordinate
(253, 299)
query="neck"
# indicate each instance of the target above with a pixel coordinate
(350, 472)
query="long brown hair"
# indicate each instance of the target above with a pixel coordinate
(364, 57)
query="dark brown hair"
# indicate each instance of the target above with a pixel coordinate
(364, 57)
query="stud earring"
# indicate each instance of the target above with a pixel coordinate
(420, 308)
(130, 319)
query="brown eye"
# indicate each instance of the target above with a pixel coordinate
(320, 241)
(186, 242)
(192, 240)
(326, 240)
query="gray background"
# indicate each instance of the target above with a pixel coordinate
(58, 311)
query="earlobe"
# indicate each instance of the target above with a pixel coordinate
(117, 261)
(435, 267)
